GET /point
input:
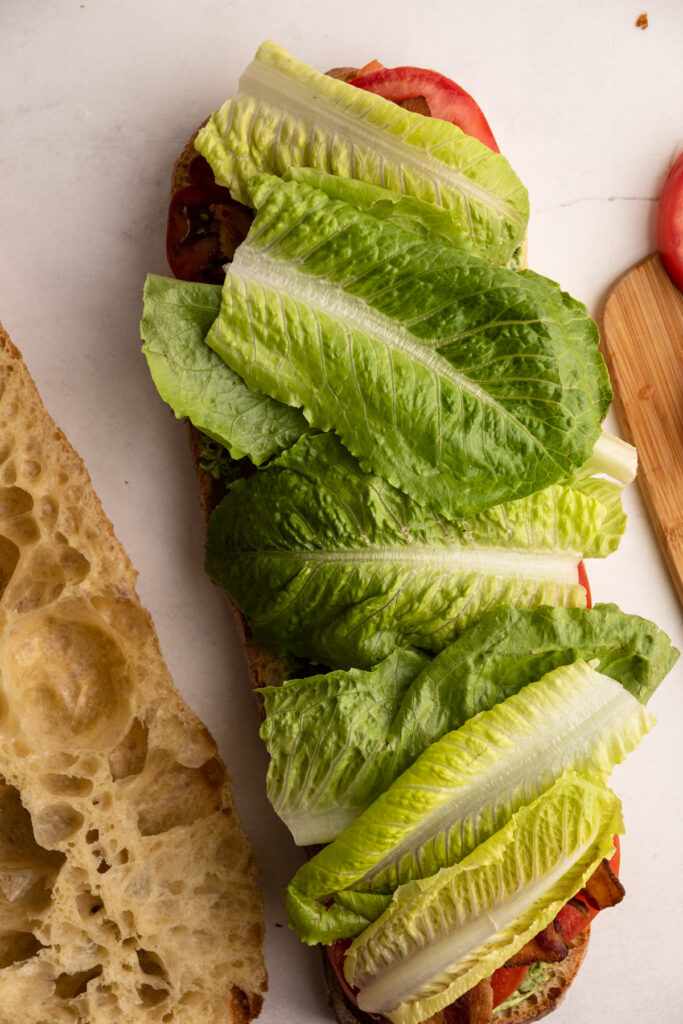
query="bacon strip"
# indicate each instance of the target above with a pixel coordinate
(343, 74)
(417, 104)
(474, 1007)
(603, 888)
(547, 947)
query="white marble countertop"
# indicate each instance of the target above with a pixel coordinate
(96, 100)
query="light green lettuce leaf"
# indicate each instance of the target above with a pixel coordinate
(611, 457)
(441, 936)
(376, 723)
(461, 383)
(467, 785)
(336, 565)
(349, 914)
(609, 494)
(287, 114)
(197, 384)
(421, 218)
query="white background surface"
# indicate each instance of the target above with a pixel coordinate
(96, 101)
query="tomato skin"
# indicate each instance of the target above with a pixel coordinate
(446, 99)
(615, 859)
(336, 953)
(505, 981)
(670, 223)
(583, 580)
(571, 918)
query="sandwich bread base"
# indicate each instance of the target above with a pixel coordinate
(268, 669)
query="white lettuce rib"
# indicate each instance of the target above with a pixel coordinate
(614, 457)
(559, 567)
(573, 715)
(403, 979)
(269, 85)
(253, 266)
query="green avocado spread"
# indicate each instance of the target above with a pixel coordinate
(535, 978)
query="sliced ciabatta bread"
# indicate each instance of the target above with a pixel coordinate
(127, 889)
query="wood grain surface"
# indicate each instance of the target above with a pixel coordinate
(642, 342)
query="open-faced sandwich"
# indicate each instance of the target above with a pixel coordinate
(398, 430)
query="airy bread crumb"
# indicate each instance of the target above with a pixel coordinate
(127, 889)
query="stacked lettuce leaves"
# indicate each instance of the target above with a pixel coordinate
(425, 421)
(461, 383)
(441, 935)
(286, 114)
(338, 740)
(467, 785)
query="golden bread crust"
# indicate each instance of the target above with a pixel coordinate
(546, 999)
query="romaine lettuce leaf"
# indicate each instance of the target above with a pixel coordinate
(614, 457)
(336, 565)
(461, 383)
(608, 493)
(376, 723)
(424, 219)
(197, 384)
(331, 744)
(286, 114)
(466, 786)
(440, 936)
(349, 914)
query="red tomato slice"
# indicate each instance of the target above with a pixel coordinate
(446, 99)
(615, 859)
(505, 981)
(583, 580)
(336, 953)
(194, 248)
(574, 919)
(670, 223)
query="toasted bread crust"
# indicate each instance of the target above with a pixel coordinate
(543, 1001)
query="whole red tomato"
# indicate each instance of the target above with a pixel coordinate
(670, 223)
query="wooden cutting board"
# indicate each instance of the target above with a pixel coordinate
(642, 342)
